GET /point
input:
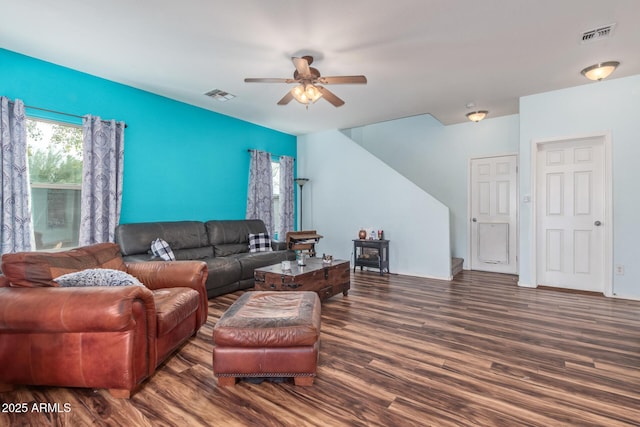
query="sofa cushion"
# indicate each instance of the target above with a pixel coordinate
(230, 237)
(136, 238)
(161, 249)
(194, 253)
(38, 269)
(230, 249)
(251, 261)
(259, 242)
(97, 277)
(173, 306)
(223, 271)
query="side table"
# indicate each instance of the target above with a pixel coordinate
(371, 253)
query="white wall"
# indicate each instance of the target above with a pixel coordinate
(611, 105)
(436, 157)
(350, 188)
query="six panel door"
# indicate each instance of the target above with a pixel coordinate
(570, 213)
(494, 214)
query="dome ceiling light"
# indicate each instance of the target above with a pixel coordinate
(600, 71)
(476, 116)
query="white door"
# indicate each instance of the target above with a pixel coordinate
(494, 215)
(570, 208)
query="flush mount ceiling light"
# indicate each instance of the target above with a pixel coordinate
(476, 116)
(600, 71)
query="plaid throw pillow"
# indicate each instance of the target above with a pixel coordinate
(259, 242)
(161, 249)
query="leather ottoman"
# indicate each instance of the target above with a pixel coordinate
(268, 334)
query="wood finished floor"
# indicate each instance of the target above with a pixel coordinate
(403, 351)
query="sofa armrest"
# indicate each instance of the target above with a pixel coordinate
(171, 274)
(60, 310)
(278, 246)
(98, 337)
(140, 258)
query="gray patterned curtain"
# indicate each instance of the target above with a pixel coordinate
(102, 167)
(15, 222)
(287, 187)
(260, 195)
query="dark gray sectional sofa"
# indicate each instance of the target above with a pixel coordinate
(222, 244)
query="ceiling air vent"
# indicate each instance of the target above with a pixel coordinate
(598, 33)
(220, 95)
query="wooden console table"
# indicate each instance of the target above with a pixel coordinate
(371, 253)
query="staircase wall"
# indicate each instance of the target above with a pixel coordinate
(350, 188)
(436, 158)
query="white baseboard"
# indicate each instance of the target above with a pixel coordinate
(526, 285)
(630, 298)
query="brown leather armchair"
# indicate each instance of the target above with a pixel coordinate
(98, 337)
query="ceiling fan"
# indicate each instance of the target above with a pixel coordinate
(309, 80)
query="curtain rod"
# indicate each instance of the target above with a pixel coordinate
(57, 112)
(274, 155)
(52, 111)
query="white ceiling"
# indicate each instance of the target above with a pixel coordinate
(419, 56)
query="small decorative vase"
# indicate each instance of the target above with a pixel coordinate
(362, 234)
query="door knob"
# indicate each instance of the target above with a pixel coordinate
(474, 220)
(597, 223)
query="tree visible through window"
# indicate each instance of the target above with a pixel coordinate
(55, 170)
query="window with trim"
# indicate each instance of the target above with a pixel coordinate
(54, 151)
(275, 173)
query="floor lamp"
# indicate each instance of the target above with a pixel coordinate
(301, 182)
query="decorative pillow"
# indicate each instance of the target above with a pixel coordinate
(97, 277)
(259, 242)
(161, 248)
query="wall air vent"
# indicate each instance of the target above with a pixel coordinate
(220, 95)
(599, 33)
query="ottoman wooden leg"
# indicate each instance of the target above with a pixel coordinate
(303, 381)
(226, 381)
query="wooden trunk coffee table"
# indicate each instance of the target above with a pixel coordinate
(326, 279)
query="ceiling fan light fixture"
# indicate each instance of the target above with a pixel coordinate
(312, 92)
(600, 71)
(298, 92)
(306, 94)
(476, 116)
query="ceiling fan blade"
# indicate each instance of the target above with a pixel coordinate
(302, 66)
(330, 96)
(268, 80)
(338, 80)
(286, 99)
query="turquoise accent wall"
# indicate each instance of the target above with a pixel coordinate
(181, 162)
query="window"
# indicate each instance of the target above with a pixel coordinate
(275, 173)
(54, 151)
